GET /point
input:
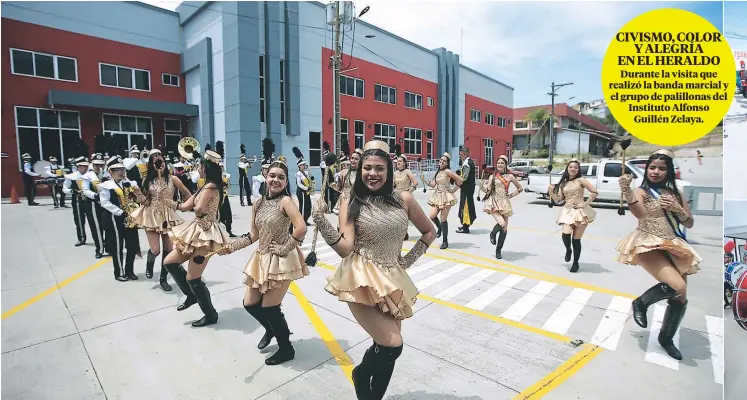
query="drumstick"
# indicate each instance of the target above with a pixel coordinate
(624, 144)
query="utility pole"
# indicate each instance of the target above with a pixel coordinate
(552, 94)
(336, 67)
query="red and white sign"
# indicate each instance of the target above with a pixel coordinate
(740, 59)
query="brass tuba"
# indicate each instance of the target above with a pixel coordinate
(187, 146)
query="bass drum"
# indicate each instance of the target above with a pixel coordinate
(739, 301)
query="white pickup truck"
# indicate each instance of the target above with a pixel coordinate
(603, 175)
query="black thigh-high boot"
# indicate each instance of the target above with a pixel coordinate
(576, 254)
(385, 358)
(660, 291)
(437, 222)
(497, 228)
(180, 277)
(164, 274)
(363, 372)
(149, 264)
(445, 233)
(202, 294)
(256, 311)
(279, 325)
(567, 243)
(672, 320)
(499, 246)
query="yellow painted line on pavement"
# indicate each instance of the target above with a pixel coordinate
(327, 337)
(561, 374)
(53, 289)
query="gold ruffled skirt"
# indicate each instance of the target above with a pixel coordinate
(190, 237)
(577, 216)
(151, 218)
(266, 271)
(498, 205)
(442, 199)
(358, 280)
(685, 258)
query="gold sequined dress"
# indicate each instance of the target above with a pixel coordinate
(266, 270)
(201, 232)
(654, 233)
(442, 197)
(574, 212)
(498, 201)
(402, 181)
(347, 188)
(374, 274)
(151, 216)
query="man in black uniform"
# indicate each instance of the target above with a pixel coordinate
(29, 186)
(467, 213)
(244, 186)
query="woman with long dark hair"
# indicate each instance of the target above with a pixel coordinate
(372, 275)
(443, 197)
(659, 245)
(576, 214)
(158, 214)
(198, 237)
(276, 262)
(498, 203)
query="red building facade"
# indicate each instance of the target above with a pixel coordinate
(488, 129)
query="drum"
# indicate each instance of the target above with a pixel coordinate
(739, 301)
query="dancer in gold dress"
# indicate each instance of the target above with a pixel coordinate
(372, 276)
(576, 214)
(158, 214)
(497, 201)
(276, 262)
(443, 197)
(659, 245)
(198, 237)
(404, 181)
(348, 176)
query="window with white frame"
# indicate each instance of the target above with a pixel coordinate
(45, 133)
(351, 86)
(315, 148)
(429, 135)
(282, 92)
(430, 101)
(385, 94)
(386, 133)
(519, 124)
(42, 65)
(172, 142)
(128, 130)
(344, 129)
(475, 115)
(489, 119)
(413, 141)
(172, 125)
(429, 151)
(170, 80)
(124, 77)
(262, 103)
(501, 122)
(414, 101)
(488, 144)
(360, 134)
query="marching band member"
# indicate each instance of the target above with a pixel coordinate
(443, 197)
(372, 275)
(76, 198)
(404, 181)
(576, 214)
(467, 213)
(226, 215)
(98, 174)
(133, 174)
(196, 238)
(157, 213)
(498, 203)
(659, 245)
(276, 262)
(117, 195)
(303, 186)
(54, 172)
(29, 186)
(244, 186)
(90, 204)
(347, 178)
(328, 167)
(259, 186)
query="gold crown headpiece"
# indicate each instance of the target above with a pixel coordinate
(281, 160)
(503, 156)
(212, 156)
(376, 145)
(665, 152)
(447, 155)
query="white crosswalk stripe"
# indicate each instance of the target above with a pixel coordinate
(606, 331)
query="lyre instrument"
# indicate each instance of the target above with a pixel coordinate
(308, 181)
(187, 146)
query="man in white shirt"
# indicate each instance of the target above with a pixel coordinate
(244, 186)
(54, 172)
(74, 186)
(303, 183)
(259, 187)
(133, 174)
(29, 186)
(89, 198)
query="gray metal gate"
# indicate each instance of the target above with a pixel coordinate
(705, 200)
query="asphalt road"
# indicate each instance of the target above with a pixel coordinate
(522, 327)
(735, 143)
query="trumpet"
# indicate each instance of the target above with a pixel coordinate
(187, 146)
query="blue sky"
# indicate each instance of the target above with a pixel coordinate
(527, 45)
(735, 22)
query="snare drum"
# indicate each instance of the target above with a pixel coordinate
(739, 301)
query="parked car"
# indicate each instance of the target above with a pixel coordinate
(640, 162)
(527, 167)
(603, 175)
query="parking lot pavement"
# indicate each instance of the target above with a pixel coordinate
(521, 327)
